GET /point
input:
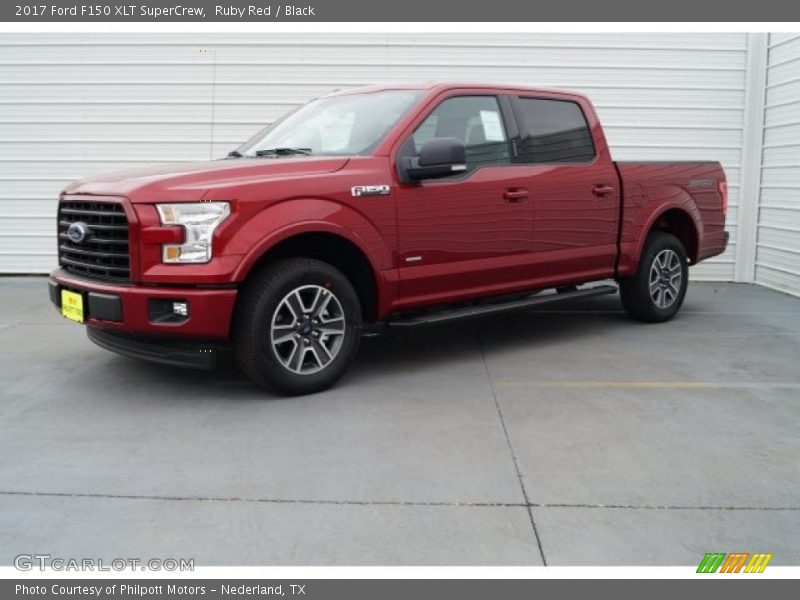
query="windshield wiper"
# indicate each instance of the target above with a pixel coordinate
(282, 151)
(235, 154)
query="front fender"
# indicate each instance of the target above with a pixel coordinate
(292, 217)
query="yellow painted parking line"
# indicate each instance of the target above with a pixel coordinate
(610, 384)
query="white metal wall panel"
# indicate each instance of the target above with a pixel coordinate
(777, 261)
(77, 105)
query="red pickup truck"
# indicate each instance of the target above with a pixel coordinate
(391, 206)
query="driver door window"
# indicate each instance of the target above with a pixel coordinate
(476, 121)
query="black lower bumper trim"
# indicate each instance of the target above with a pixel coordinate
(55, 296)
(106, 307)
(193, 355)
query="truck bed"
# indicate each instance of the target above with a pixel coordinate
(697, 188)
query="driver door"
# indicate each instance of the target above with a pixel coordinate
(469, 233)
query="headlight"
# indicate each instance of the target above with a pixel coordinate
(199, 219)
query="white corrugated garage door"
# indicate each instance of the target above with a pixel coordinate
(74, 105)
(777, 262)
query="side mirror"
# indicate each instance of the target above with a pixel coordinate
(440, 157)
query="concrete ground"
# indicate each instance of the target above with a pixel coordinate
(572, 436)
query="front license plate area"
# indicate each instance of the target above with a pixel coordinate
(72, 306)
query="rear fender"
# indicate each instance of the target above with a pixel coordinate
(637, 226)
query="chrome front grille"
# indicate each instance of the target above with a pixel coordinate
(104, 251)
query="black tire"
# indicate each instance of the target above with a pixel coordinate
(256, 326)
(635, 291)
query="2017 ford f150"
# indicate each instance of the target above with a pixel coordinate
(400, 206)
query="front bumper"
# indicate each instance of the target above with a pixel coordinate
(129, 308)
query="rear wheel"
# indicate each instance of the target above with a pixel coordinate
(656, 292)
(297, 326)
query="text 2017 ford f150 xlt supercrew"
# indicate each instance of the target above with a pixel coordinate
(400, 205)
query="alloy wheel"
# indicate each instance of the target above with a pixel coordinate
(308, 329)
(666, 275)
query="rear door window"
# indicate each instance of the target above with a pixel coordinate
(553, 131)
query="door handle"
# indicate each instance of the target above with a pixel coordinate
(516, 194)
(602, 190)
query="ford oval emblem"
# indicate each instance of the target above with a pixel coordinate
(77, 232)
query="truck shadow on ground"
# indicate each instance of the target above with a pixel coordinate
(434, 346)
(397, 352)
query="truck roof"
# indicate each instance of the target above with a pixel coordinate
(441, 86)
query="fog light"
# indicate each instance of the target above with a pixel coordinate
(168, 311)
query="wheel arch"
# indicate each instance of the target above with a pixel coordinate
(328, 231)
(678, 215)
(332, 248)
(679, 223)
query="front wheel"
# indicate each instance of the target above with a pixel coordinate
(656, 292)
(298, 325)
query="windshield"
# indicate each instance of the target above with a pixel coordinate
(338, 125)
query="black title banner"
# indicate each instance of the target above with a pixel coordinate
(407, 10)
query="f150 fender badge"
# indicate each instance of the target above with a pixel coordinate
(370, 190)
(701, 183)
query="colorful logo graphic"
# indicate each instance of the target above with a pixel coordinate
(719, 562)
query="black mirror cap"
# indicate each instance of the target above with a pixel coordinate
(440, 157)
(443, 151)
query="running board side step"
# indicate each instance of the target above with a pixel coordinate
(455, 314)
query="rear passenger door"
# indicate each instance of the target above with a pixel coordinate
(573, 189)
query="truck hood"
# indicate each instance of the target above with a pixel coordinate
(196, 180)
